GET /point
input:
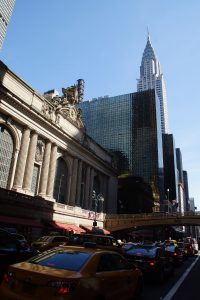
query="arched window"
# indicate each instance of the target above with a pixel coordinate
(6, 154)
(60, 184)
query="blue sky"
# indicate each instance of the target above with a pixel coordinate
(50, 44)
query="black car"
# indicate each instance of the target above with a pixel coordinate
(155, 262)
(21, 239)
(12, 251)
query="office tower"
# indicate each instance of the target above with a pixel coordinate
(129, 126)
(170, 169)
(109, 122)
(181, 195)
(186, 189)
(151, 77)
(6, 8)
(147, 143)
(179, 165)
(192, 204)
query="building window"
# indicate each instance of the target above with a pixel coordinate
(6, 154)
(60, 185)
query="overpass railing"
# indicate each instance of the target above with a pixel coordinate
(115, 222)
(158, 215)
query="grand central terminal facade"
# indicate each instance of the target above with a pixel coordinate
(49, 166)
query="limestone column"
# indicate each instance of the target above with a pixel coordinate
(74, 182)
(87, 188)
(30, 162)
(21, 162)
(79, 178)
(52, 171)
(69, 184)
(45, 169)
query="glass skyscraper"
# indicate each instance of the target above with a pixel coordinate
(6, 8)
(109, 122)
(129, 126)
(151, 77)
(170, 167)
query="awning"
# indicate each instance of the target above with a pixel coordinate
(20, 221)
(67, 227)
(90, 228)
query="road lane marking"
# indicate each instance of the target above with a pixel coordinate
(174, 289)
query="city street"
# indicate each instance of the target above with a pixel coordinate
(182, 286)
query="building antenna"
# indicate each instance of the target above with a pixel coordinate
(148, 35)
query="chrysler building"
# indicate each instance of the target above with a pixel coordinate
(151, 77)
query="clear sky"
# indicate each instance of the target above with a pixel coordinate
(50, 44)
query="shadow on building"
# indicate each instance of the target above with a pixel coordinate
(134, 196)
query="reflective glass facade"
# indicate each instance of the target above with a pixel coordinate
(147, 142)
(6, 8)
(109, 122)
(129, 126)
(170, 166)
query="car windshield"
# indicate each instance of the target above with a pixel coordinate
(66, 260)
(149, 251)
(171, 248)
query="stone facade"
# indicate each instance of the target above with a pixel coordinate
(52, 158)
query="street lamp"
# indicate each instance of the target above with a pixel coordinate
(96, 198)
(168, 200)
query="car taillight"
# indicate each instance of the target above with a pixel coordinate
(152, 263)
(62, 291)
(63, 287)
(5, 277)
(8, 276)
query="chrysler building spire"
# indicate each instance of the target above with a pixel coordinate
(151, 77)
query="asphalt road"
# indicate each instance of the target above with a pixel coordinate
(184, 285)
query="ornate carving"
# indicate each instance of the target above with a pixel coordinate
(48, 111)
(65, 106)
(70, 95)
(39, 151)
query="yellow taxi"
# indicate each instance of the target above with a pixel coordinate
(171, 243)
(71, 272)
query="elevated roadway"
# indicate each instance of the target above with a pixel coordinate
(131, 221)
